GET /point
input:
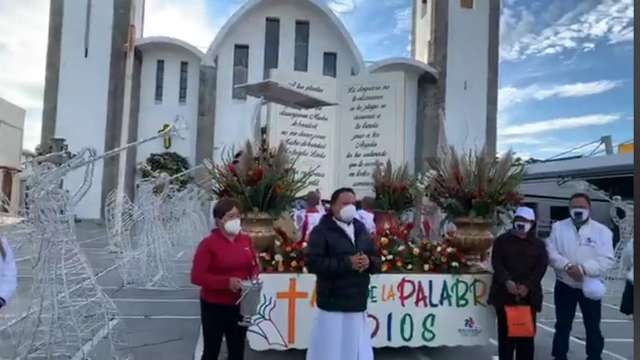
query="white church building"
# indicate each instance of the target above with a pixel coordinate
(108, 85)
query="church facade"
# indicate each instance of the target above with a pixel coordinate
(108, 85)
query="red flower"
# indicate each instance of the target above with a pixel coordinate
(232, 169)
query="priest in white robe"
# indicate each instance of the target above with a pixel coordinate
(306, 219)
(343, 256)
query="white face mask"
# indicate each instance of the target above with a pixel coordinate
(233, 227)
(579, 214)
(348, 213)
(522, 227)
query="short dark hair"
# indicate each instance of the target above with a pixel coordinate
(581, 195)
(313, 198)
(223, 206)
(368, 202)
(336, 194)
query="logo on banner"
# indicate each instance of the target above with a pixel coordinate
(470, 328)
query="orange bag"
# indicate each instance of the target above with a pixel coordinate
(520, 321)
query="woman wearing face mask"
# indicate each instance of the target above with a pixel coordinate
(519, 262)
(223, 260)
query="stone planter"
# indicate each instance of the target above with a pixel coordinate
(473, 238)
(259, 226)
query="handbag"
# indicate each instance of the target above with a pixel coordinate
(520, 321)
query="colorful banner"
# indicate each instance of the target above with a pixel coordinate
(404, 310)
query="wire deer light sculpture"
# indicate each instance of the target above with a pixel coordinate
(163, 227)
(69, 313)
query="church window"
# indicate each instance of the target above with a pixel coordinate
(184, 68)
(466, 4)
(240, 70)
(271, 45)
(159, 80)
(329, 64)
(301, 60)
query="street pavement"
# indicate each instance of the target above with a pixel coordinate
(164, 324)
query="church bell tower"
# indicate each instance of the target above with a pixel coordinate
(88, 47)
(460, 38)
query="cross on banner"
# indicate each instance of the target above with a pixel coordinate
(292, 295)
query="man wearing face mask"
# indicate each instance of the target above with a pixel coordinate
(580, 251)
(342, 255)
(222, 261)
(519, 262)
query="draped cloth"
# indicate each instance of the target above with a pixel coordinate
(340, 336)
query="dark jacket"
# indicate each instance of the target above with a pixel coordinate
(524, 261)
(339, 286)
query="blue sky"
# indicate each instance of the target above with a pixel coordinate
(565, 69)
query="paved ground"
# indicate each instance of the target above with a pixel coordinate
(164, 324)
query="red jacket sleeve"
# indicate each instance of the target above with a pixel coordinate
(200, 274)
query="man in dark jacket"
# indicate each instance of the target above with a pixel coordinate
(342, 255)
(519, 262)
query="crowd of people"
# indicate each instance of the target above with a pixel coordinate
(342, 254)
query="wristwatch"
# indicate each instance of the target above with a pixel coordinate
(566, 267)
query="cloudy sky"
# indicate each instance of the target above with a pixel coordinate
(565, 65)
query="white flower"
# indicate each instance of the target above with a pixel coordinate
(455, 264)
(409, 267)
(278, 257)
(401, 248)
(439, 248)
(451, 250)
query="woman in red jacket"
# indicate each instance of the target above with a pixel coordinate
(223, 260)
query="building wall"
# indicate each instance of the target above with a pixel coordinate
(233, 117)
(153, 115)
(83, 89)
(11, 134)
(466, 81)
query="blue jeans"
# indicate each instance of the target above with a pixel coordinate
(566, 299)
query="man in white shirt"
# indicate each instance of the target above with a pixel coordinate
(579, 248)
(365, 213)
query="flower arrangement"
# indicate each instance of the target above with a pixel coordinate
(263, 181)
(393, 188)
(287, 256)
(474, 184)
(400, 256)
(440, 258)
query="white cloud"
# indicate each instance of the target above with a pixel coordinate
(523, 140)
(342, 6)
(510, 96)
(589, 22)
(187, 20)
(23, 48)
(404, 20)
(567, 123)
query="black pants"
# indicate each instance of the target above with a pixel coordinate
(626, 305)
(523, 347)
(219, 320)
(566, 299)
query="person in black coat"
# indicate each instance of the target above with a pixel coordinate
(342, 255)
(519, 262)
